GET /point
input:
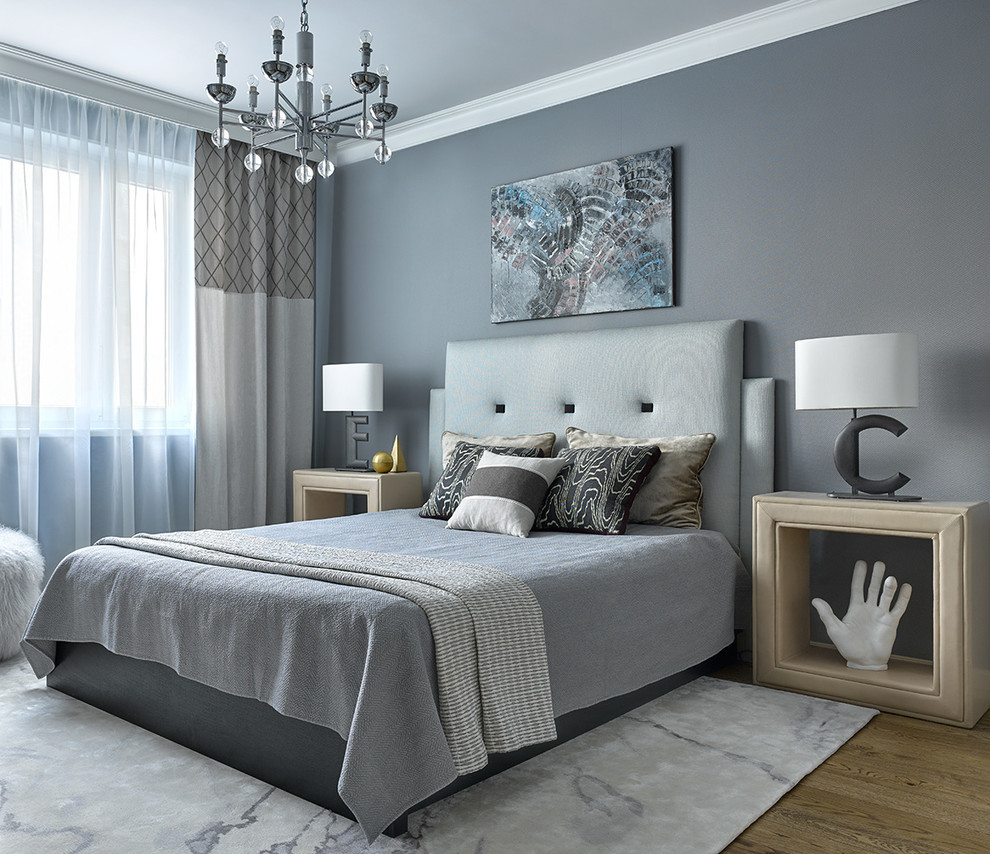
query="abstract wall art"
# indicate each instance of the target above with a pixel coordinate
(598, 238)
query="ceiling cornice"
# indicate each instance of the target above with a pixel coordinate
(776, 23)
(30, 67)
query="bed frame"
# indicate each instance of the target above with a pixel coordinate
(648, 381)
(299, 757)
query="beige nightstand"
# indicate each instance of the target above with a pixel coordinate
(321, 493)
(954, 687)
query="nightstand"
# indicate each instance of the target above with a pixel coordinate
(954, 686)
(322, 493)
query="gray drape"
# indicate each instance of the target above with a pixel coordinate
(255, 280)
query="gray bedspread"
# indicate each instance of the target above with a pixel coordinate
(493, 691)
(618, 613)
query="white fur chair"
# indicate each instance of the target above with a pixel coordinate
(21, 571)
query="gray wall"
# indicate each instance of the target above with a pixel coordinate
(832, 184)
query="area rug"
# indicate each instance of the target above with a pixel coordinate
(683, 774)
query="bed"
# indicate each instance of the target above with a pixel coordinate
(359, 733)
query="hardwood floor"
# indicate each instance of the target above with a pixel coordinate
(899, 785)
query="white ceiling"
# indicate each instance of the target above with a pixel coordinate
(514, 55)
(440, 52)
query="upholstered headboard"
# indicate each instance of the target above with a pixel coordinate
(645, 381)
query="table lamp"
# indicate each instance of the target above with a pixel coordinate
(859, 372)
(355, 387)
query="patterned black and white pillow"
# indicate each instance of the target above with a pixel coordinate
(672, 493)
(449, 489)
(505, 494)
(595, 490)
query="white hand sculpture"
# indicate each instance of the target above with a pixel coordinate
(866, 634)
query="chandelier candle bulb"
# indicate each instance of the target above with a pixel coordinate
(221, 50)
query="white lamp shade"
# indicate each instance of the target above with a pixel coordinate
(856, 372)
(355, 387)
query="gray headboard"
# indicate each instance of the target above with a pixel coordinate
(691, 373)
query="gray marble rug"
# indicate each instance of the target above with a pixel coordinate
(686, 773)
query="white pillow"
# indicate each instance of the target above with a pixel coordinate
(505, 494)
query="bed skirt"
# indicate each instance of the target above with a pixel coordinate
(299, 757)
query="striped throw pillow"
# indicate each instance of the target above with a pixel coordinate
(457, 472)
(505, 494)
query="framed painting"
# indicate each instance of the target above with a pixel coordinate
(588, 240)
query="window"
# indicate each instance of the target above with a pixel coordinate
(94, 317)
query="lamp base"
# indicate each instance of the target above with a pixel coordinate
(354, 468)
(867, 497)
(355, 435)
(847, 462)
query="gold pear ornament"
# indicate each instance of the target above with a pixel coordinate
(398, 461)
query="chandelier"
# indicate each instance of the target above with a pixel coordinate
(313, 133)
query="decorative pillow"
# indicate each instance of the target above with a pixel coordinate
(449, 490)
(543, 441)
(595, 490)
(672, 493)
(505, 494)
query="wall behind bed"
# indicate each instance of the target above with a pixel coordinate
(834, 183)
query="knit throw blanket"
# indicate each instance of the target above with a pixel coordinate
(491, 662)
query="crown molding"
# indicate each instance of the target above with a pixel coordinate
(776, 23)
(41, 70)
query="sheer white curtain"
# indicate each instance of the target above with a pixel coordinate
(96, 320)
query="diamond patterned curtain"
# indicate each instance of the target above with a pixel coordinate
(255, 262)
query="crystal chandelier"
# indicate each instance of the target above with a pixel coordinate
(287, 120)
